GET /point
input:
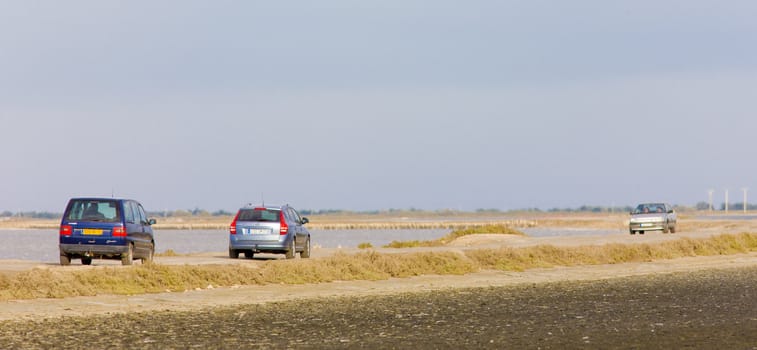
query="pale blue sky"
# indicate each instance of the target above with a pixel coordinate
(377, 104)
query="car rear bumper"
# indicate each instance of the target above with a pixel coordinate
(93, 249)
(259, 247)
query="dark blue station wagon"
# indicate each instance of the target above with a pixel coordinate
(105, 228)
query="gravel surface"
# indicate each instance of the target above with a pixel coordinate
(700, 310)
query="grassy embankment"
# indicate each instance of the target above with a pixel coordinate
(368, 265)
(486, 229)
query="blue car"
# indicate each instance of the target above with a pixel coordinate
(105, 228)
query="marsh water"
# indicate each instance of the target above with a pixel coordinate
(42, 245)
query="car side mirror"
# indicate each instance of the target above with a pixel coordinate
(305, 221)
(151, 221)
(670, 211)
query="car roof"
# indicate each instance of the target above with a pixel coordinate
(99, 199)
(277, 207)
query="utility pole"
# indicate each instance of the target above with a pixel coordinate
(710, 192)
(745, 191)
(726, 201)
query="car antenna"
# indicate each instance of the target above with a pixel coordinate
(262, 199)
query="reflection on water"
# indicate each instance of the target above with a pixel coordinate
(37, 245)
(42, 245)
(377, 238)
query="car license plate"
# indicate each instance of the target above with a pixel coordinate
(92, 232)
(646, 225)
(259, 231)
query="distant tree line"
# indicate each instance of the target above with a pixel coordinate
(393, 211)
(188, 213)
(594, 209)
(721, 206)
(31, 214)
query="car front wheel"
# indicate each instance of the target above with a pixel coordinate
(305, 253)
(150, 255)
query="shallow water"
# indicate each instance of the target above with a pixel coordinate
(42, 245)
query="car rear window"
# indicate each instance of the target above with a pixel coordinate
(259, 214)
(93, 210)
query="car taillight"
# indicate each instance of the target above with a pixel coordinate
(284, 228)
(118, 231)
(65, 230)
(233, 226)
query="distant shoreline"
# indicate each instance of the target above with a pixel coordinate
(420, 220)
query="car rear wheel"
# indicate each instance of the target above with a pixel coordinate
(632, 232)
(305, 253)
(128, 256)
(86, 260)
(248, 254)
(233, 253)
(291, 250)
(666, 228)
(65, 260)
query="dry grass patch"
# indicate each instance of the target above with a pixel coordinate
(168, 252)
(520, 259)
(486, 229)
(156, 278)
(366, 266)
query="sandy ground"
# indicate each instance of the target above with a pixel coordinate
(212, 297)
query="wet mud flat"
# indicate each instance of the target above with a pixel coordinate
(695, 310)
